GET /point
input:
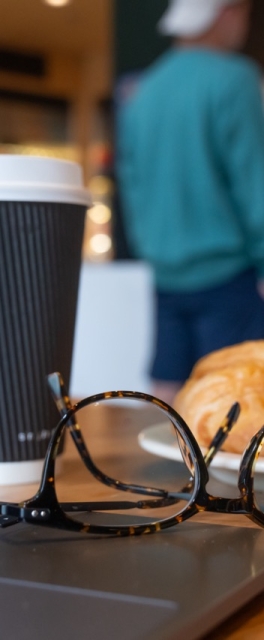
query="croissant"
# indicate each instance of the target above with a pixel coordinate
(245, 352)
(217, 381)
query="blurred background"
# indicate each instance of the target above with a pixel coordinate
(65, 67)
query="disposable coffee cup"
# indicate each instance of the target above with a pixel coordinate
(42, 211)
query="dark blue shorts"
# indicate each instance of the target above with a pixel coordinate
(190, 325)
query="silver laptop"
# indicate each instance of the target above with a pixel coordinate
(176, 584)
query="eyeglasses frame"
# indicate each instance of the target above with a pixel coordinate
(44, 507)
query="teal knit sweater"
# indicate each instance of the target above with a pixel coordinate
(190, 164)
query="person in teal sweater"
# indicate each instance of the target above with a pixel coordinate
(190, 166)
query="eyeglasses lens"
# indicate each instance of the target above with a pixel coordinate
(114, 431)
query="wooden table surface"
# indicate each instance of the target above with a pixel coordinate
(246, 624)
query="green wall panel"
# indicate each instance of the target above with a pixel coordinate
(136, 40)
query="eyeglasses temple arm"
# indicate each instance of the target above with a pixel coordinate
(222, 433)
(59, 393)
(125, 504)
(63, 403)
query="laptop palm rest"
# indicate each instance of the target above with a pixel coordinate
(48, 611)
(62, 585)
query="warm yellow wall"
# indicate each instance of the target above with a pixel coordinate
(82, 76)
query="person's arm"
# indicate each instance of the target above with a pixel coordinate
(242, 141)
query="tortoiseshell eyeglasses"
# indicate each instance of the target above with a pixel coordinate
(170, 493)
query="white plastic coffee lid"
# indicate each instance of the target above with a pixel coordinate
(39, 179)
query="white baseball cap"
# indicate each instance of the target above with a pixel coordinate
(191, 17)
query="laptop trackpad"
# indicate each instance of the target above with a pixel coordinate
(37, 610)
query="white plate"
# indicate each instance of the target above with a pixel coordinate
(160, 441)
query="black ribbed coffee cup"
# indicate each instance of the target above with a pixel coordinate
(40, 256)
